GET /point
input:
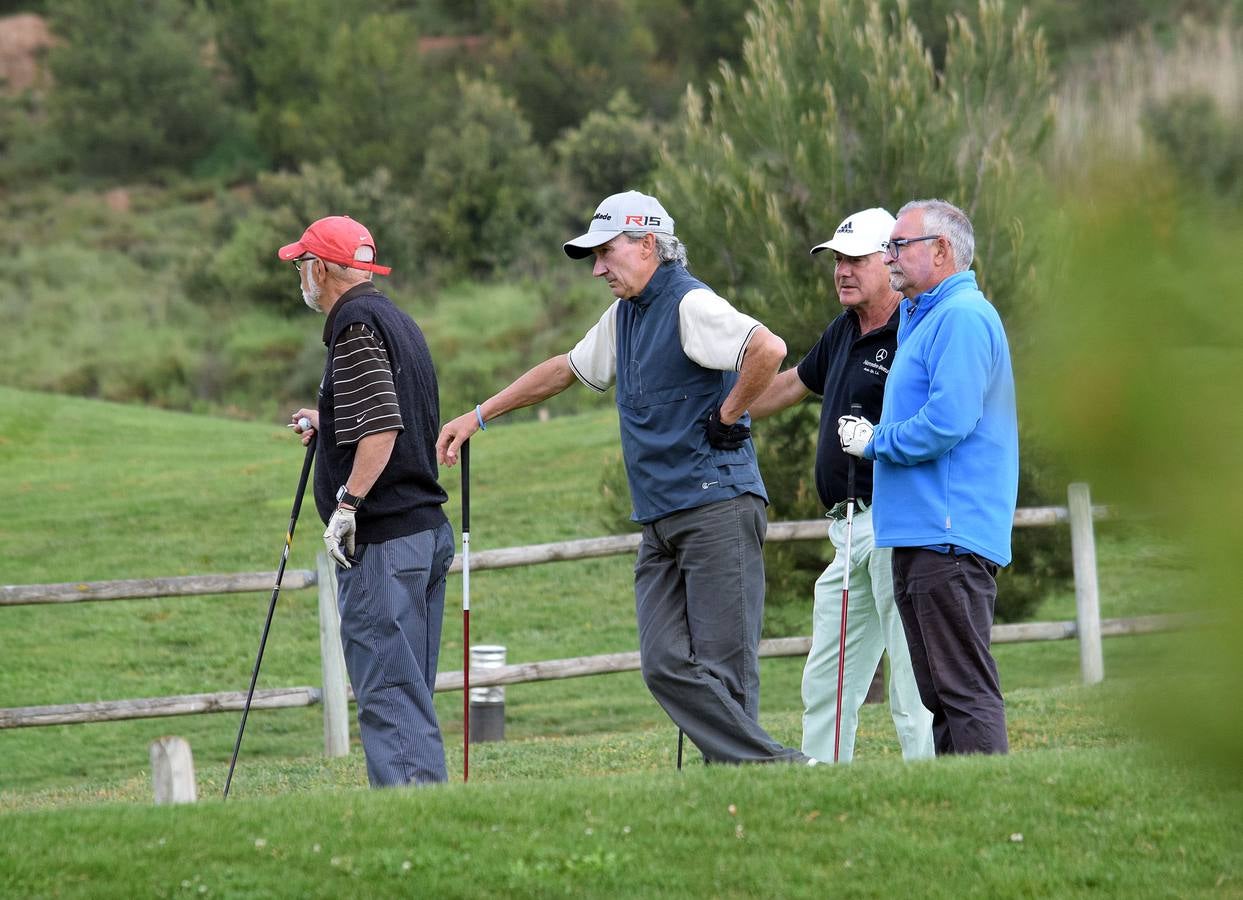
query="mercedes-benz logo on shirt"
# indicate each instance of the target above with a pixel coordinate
(882, 354)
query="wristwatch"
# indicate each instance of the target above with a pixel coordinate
(344, 496)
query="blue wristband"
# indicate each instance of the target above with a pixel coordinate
(479, 415)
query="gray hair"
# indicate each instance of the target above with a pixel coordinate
(947, 220)
(344, 272)
(668, 247)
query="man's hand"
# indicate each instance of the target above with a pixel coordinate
(726, 437)
(855, 432)
(340, 530)
(305, 415)
(453, 436)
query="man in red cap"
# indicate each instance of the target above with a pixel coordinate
(376, 488)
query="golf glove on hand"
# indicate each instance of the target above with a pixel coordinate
(855, 433)
(726, 437)
(340, 530)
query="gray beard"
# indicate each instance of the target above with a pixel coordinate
(311, 297)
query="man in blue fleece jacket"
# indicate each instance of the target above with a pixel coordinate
(945, 478)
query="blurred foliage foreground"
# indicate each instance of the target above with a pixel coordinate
(1139, 387)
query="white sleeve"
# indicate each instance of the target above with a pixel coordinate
(594, 359)
(714, 334)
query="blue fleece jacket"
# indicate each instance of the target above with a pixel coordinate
(947, 446)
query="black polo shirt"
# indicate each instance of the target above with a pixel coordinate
(844, 368)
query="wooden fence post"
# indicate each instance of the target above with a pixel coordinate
(1087, 597)
(172, 771)
(332, 661)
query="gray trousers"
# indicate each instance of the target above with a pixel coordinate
(946, 602)
(699, 601)
(392, 604)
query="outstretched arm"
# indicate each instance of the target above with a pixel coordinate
(549, 378)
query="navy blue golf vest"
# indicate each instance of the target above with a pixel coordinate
(663, 401)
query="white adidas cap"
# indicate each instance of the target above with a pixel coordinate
(627, 211)
(863, 233)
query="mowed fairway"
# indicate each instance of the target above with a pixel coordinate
(581, 799)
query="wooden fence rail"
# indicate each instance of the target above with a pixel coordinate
(334, 694)
(520, 673)
(501, 558)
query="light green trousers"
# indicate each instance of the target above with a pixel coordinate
(873, 626)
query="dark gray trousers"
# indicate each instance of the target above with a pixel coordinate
(699, 601)
(946, 602)
(392, 604)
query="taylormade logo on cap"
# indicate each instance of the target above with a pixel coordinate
(861, 234)
(627, 211)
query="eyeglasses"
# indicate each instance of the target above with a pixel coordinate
(894, 247)
(297, 263)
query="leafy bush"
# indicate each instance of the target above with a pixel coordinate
(340, 80)
(609, 151)
(135, 88)
(486, 197)
(1205, 146)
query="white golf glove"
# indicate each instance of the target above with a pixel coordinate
(340, 530)
(855, 433)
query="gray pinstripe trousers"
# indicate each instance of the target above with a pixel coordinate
(392, 605)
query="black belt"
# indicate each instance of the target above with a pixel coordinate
(839, 509)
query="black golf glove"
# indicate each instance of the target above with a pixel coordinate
(726, 437)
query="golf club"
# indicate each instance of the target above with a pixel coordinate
(855, 410)
(681, 738)
(303, 424)
(466, 611)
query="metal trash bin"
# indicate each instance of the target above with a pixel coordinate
(487, 704)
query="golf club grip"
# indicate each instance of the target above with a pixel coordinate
(855, 410)
(466, 485)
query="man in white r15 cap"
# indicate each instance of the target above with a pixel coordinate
(686, 365)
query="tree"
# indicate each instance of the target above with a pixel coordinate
(562, 58)
(334, 79)
(486, 192)
(611, 150)
(135, 84)
(838, 106)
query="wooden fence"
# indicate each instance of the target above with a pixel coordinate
(334, 693)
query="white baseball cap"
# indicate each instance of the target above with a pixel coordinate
(627, 211)
(863, 233)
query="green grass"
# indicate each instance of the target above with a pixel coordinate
(106, 491)
(1089, 822)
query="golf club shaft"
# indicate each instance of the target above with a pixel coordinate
(681, 738)
(276, 590)
(855, 410)
(466, 611)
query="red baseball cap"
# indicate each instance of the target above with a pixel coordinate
(337, 239)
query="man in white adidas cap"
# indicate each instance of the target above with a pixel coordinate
(849, 364)
(686, 365)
